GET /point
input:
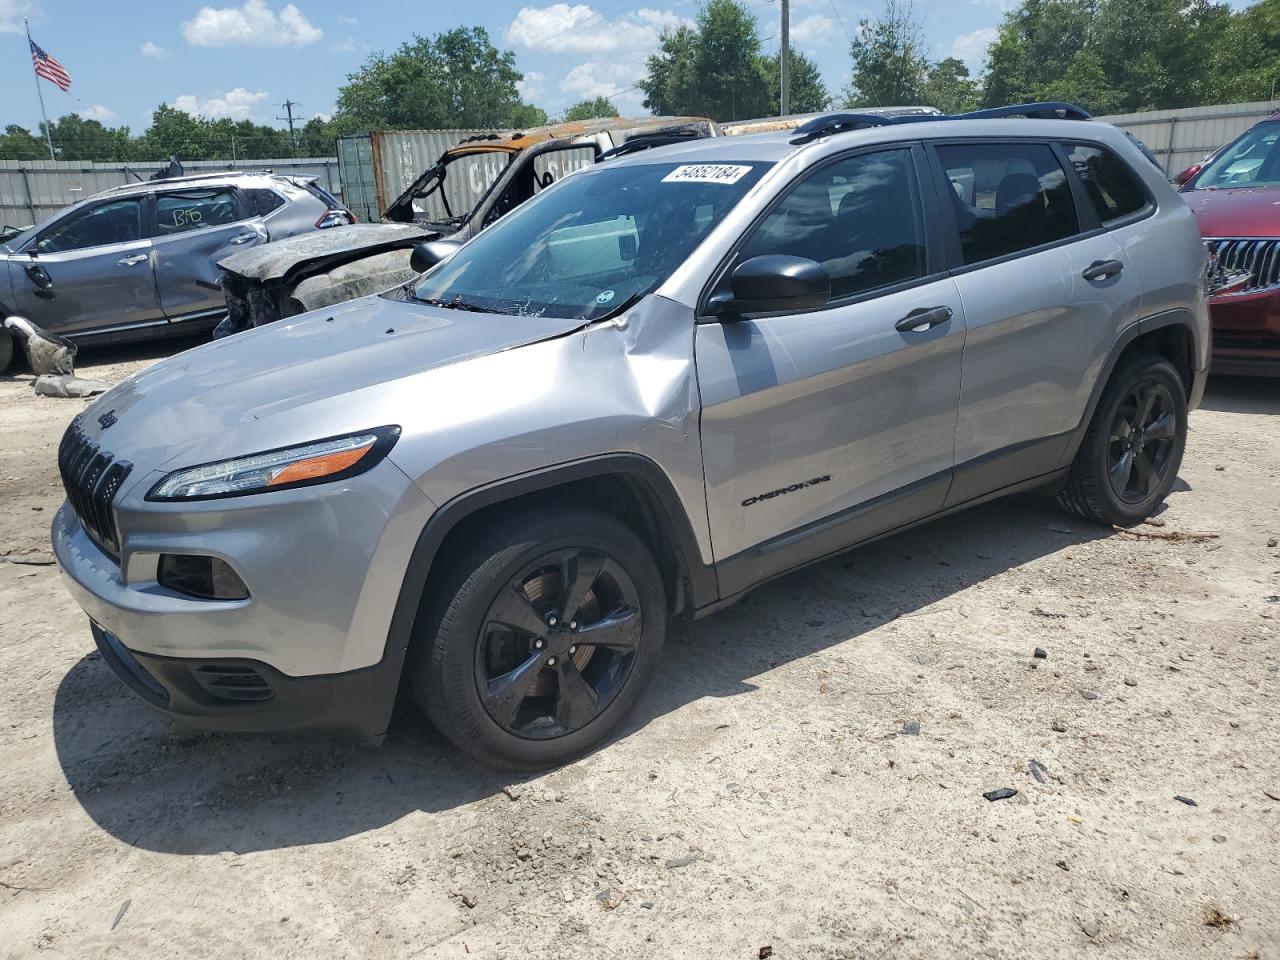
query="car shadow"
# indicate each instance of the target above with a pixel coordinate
(160, 788)
(1242, 394)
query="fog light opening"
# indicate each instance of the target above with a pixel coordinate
(206, 578)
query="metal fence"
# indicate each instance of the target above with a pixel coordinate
(1179, 138)
(31, 190)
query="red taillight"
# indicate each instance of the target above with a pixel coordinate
(335, 218)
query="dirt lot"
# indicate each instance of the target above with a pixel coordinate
(766, 794)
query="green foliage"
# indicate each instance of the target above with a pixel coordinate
(456, 79)
(714, 69)
(591, 109)
(948, 86)
(18, 143)
(889, 61)
(808, 92)
(1121, 56)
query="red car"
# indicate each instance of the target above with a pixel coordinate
(1235, 195)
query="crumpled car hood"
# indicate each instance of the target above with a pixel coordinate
(317, 375)
(272, 261)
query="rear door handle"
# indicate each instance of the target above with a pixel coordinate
(1101, 269)
(925, 318)
(130, 261)
(244, 238)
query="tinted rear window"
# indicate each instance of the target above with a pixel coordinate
(1112, 187)
(1008, 197)
(263, 201)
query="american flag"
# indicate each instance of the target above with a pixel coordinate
(49, 68)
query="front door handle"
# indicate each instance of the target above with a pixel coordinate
(130, 261)
(244, 238)
(924, 318)
(40, 277)
(1101, 269)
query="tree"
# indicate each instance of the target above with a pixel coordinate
(454, 79)
(889, 62)
(18, 143)
(948, 87)
(1035, 47)
(713, 69)
(808, 93)
(591, 109)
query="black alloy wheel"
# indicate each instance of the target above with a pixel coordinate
(1142, 441)
(558, 643)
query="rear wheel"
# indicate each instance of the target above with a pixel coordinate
(543, 638)
(6, 349)
(1129, 458)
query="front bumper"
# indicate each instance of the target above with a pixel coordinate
(248, 696)
(1246, 333)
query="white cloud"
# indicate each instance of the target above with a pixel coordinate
(599, 78)
(324, 116)
(154, 51)
(97, 112)
(348, 45)
(815, 30)
(561, 28)
(531, 86)
(236, 104)
(12, 12)
(252, 24)
(971, 47)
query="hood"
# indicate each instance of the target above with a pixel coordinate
(272, 261)
(1236, 211)
(317, 375)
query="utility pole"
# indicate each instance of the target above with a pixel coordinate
(288, 109)
(784, 61)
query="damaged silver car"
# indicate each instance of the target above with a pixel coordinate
(504, 169)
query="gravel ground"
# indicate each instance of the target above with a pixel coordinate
(806, 776)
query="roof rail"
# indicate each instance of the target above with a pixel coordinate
(838, 123)
(843, 122)
(1048, 110)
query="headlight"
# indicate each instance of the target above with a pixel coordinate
(321, 462)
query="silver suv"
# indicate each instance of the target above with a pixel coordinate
(140, 260)
(656, 385)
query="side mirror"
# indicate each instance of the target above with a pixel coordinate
(427, 255)
(771, 284)
(1188, 173)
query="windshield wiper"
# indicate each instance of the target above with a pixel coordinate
(457, 303)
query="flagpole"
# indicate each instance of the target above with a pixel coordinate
(39, 93)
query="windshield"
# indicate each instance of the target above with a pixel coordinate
(1253, 160)
(596, 241)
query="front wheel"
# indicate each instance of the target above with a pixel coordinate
(543, 636)
(1130, 455)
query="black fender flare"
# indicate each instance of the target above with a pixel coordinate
(699, 578)
(1178, 317)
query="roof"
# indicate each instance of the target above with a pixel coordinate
(513, 141)
(142, 186)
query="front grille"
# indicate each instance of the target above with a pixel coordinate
(233, 682)
(92, 478)
(1260, 258)
(1229, 341)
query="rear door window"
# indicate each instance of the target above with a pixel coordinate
(1007, 197)
(262, 201)
(859, 217)
(1113, 189)
(195, 210)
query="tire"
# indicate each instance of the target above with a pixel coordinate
(495, 624)
(6, 349)
(1146, 392)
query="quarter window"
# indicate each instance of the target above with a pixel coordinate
(1112, 187)
(116, 221)
(1007, 197)
(194, 210)
(263, 201)
(859, 217)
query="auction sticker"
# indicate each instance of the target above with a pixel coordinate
(707, 173)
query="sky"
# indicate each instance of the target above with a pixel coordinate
(244, 59)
